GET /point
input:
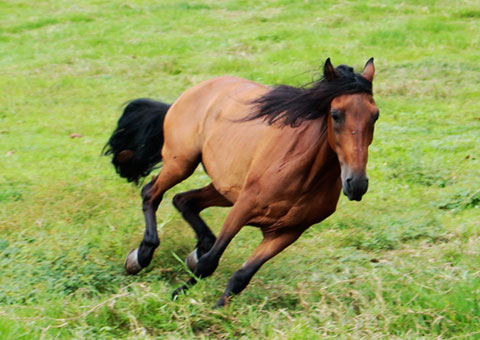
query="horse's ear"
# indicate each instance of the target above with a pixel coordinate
(329, 71)
(369, 70)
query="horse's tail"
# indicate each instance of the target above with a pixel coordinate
(136, 143)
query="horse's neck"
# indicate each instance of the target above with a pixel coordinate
(325, 167)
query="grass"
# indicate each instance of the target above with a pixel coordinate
(402, 264)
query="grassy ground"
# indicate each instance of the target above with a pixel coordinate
(402, 264)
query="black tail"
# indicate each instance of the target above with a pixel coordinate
(136, 143)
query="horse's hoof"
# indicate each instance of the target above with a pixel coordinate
(131, 262)
(222, 302)
(176, 293)
(192, 260)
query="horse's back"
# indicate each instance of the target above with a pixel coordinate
(209, 121)
(184, 122)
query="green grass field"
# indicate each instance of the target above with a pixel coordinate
(402, 264)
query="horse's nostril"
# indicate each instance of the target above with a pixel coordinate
(348, 181)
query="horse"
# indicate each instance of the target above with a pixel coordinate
(279, 156)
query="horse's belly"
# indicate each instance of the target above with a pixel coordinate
(227, 156)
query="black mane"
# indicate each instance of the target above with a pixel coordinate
(293, 105)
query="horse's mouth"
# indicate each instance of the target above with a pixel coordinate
(354, 189)
(353, 197)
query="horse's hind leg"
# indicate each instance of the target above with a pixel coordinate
(238, 216)
(152, 194)
(190, 204)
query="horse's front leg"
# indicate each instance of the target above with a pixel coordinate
(272, 244)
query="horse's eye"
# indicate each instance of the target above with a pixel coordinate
(375, 116)
(337, 116)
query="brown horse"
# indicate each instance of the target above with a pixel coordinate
(279, 156)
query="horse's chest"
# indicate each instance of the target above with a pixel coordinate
(307, 209)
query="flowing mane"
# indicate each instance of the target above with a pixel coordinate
(293, 105)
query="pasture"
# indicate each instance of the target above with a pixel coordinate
(404, 263)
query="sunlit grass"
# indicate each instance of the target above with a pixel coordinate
(402, 264)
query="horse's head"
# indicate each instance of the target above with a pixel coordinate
(351, 122)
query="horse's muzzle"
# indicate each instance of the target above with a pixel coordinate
(354, 187)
